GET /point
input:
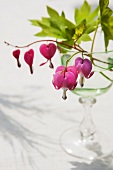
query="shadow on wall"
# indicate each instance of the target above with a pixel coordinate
(13, 130)
(100, 164)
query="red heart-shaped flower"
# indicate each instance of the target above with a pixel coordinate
(48, 50)
(16, 54)
(28, 57)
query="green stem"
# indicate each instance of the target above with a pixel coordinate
(95, 59)
(106, 77)
(92, 46)
(59, 43)
(71, 58)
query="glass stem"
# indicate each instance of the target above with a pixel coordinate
(87, 127)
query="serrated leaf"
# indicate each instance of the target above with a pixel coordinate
(41, 34)
(42, 24)
(90, 16)
(93, 15)
(55, 26)
(51, 31)
(86, 8)
(63, 14)
(34, 22)
(64, 26)
(82, 13)
(103, 4)
(106, 21)
(52, 13)
(46, 21)
(59, 20)
(60, 27)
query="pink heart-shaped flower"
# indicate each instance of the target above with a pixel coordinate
(48, 50)
(65, 78)
(16, 54)
(28, 57)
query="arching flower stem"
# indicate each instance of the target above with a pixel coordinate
(71, 57)
(38, 41)
(101, 61)
(106, 77)
(94, 38)
(79, 50)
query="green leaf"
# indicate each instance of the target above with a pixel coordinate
(94, 14)
(110, 60)
(41, 34)
(91, 26)
(34, 22)
(64, 58)
(52, 13)
(42, 24)
(50, 31)
(79, 30)
(103, 4)
(65, 46)
(63, 14)
(58, 26)
(44, 21)
(82, 13)
(64, 26)
(55, 26)
(84, 37)
(90, 16)
(106, 21)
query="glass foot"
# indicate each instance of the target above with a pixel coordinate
(89, 148)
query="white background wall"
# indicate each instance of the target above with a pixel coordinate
(29, 102)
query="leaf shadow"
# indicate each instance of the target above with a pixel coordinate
(13, 130)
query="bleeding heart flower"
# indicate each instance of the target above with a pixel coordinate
(65, 78)
(16, 54)
(48, 51)
(83, 67)
(28, 57)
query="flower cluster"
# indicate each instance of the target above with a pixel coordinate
(47, 51)
(28, 57)
(67, 36)
(65, 77)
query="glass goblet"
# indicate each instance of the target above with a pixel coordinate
(87, 141)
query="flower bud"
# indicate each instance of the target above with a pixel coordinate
(28, 57)
(16, 54)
